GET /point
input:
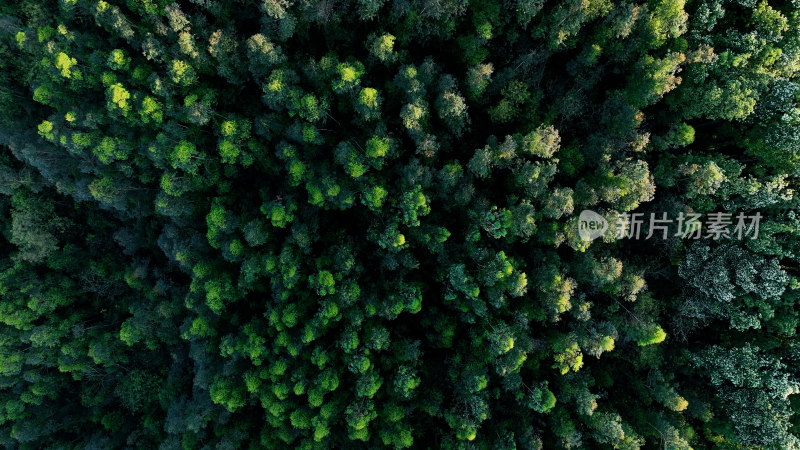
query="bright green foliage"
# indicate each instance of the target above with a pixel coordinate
(118, 97)
(348, 77)
(46, 130)
(324, 283)
(182, 73)
(375, 196)
(184, 156)
(224, 392)
(542, 142)
(117, 60)
(567, 356)
(64, 63)
(652, 334)
(377, 147)
(151, 111)
(369, 103)
(382, 47)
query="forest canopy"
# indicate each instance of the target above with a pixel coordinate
(374, 224)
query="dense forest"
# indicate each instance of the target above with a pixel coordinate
(360, 224)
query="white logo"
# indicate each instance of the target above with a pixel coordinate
(591, 225)
(719, 225)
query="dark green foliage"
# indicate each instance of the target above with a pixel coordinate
(355, 224)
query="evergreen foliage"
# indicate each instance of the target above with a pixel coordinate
(353, 224)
